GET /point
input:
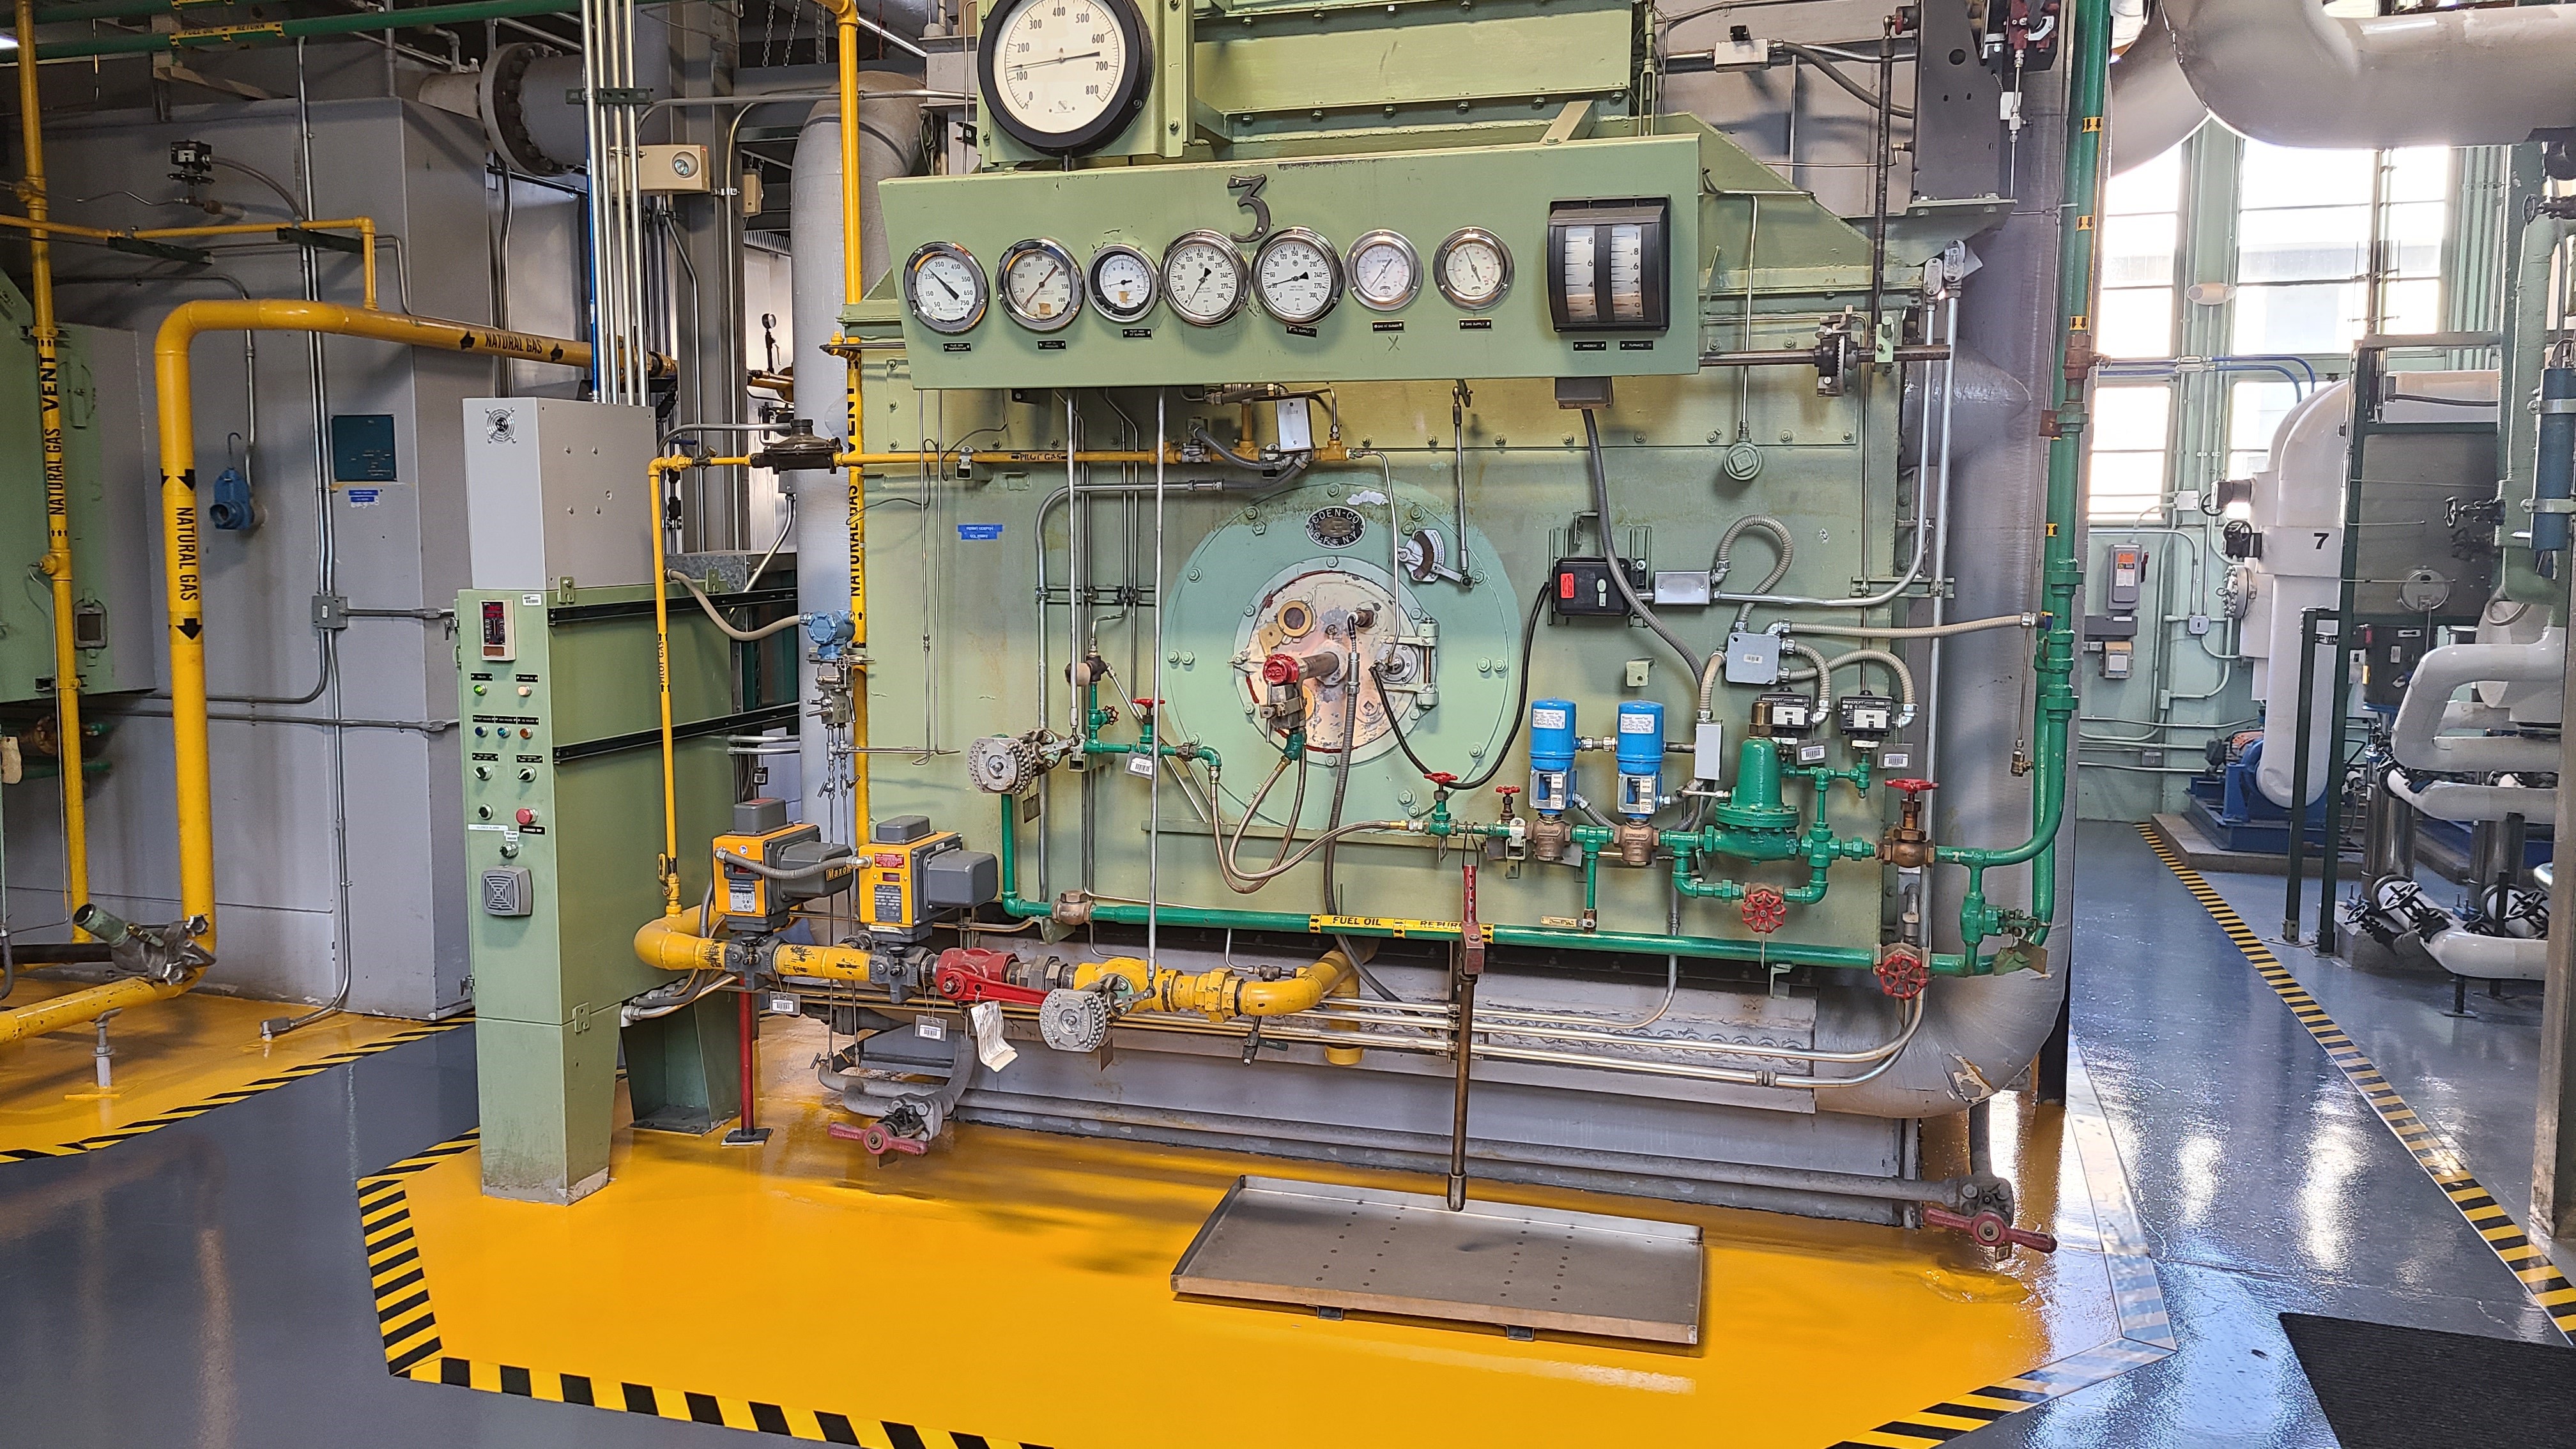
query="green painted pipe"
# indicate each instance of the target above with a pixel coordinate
(1843, 958)
(2062, 577)
(273, 31)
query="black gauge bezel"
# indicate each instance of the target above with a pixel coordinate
(1100, 299)
(1042, 247)
(1242, 277)
(1351, 269)
(1332, 258)
(983, 287)
(1440, 268)
(1126, 99)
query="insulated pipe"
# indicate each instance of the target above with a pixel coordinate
(182, 567)
(2452, 800)
(2491, 958)
(57, 564)
(2417, 739)
(2153, 108)
(2287, 73)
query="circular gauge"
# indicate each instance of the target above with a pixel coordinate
(1473, 268)
(1203, 278)
(1064, 76)
(1123, 283)
(1385, 271)
(944, 287)
(1296, 276)
(1041, 284)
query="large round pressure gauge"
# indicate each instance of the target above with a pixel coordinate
(1064, 76)
(1203, 278)
(944, 288)
(1473, 268)
(1385, 271)
(1297, 276)
(1041, 284)
(1123, 283)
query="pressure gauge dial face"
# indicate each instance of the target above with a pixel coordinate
(1203, 278)
(1473, 268)
(944, 288)
(1385, 271)
(1041, 285)
(1064, 76)
(1297, 276)
(1124, 283)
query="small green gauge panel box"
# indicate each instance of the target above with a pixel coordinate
(1426, 198)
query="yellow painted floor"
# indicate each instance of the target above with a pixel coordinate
(1015, 1286)
(174, 1059)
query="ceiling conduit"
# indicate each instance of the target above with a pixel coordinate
(2287, 73)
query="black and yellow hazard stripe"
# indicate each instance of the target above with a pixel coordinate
(290, 1075)
(414, 1350)
(2137, 1301)
(2529, 1264)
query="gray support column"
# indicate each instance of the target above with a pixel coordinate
(2553, 1153)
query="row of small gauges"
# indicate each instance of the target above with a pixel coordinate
(1296, 276)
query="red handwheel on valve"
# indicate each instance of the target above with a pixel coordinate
(1764, 910)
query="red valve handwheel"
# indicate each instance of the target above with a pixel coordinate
(1765, 910)
(1902, 972)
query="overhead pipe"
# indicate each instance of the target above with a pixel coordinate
(182, 566)
(57, 565)
(2287, 73)
(2418, 739)
(2153, 107)
(270, 32)
(2466, 804)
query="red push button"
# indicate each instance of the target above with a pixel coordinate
(527, 816)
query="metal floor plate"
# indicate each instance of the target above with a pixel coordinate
(1322, 1245)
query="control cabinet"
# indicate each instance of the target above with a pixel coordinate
(563, 823)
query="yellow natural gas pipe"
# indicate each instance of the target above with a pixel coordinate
(81, 1007)
(1221, 994)
(37, 223)
(57, 564)
(181, 567)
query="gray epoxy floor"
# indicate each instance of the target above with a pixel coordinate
(204, 1286)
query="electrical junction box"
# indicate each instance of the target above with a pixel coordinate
(1685, 587)
(672, 169)
(555, 491)
(1708, 750)
(1752, 658)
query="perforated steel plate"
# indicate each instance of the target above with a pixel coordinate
(1321, 1245)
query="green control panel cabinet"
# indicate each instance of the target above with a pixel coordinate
(563, 824)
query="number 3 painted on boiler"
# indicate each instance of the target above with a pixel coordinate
(1247, 195)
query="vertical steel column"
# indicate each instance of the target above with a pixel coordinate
(2298, 845)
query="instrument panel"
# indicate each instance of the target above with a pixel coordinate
(1381, 267)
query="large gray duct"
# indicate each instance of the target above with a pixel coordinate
(2153, 107)
(2285, 72)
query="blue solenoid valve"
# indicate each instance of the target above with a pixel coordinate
(1641, 758)
(1551, 749)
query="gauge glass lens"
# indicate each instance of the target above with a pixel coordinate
(1628, 274)
(1041, 287)
(1474, 269)
(1385, 272)
(1203, 279)
(1582, 298)
(945, 288)
(1296, 276)
(1122, 283)
(1058, 64)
